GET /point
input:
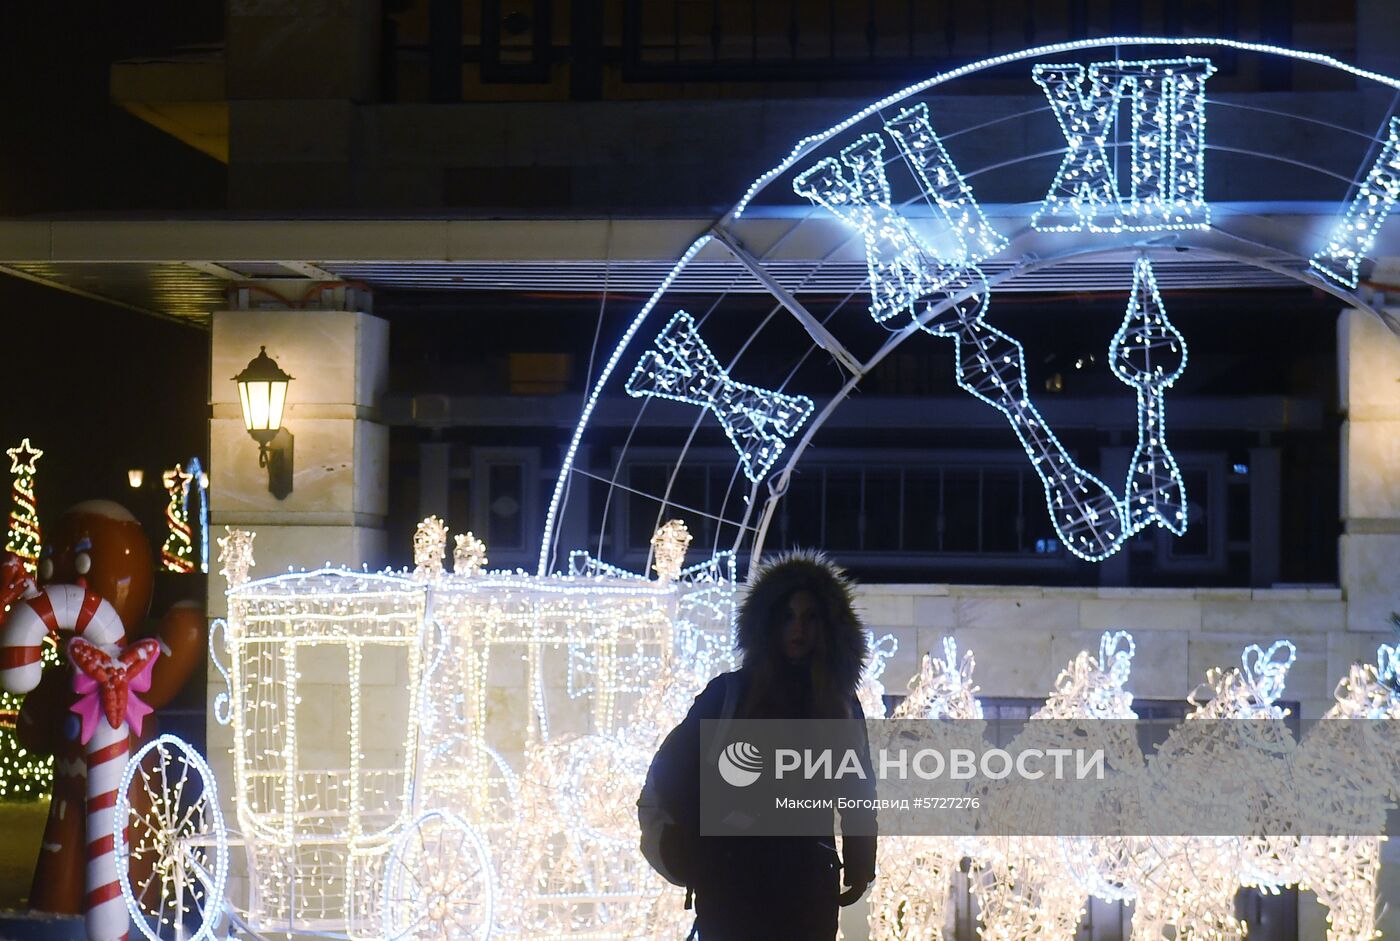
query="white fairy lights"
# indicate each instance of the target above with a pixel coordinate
(235, 555)
(806, 144)
(1160, 103)
(170, 844)
(1167, 186)
(1181, 886)
(468, 554)
(681, 367)
(1149, 354)
(566, 467)
(370, 836)
(319, 802)
(429, 547)
(944, 185)
(1354, 236)
(907, 276)
(669, 546)
(551, 850)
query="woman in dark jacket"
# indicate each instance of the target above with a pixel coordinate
(803, 652)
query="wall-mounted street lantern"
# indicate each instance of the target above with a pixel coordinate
(135, 477)
(262, 394)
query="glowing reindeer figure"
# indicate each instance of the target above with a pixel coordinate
(1186, 885)
(1359, 762)
(910, 895)
(1025, 888)
(871, 691)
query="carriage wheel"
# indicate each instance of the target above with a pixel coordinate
(438, 882)
(170, 843)
(487, 796)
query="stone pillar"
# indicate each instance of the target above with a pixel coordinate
(339, 363)
(1369, 375)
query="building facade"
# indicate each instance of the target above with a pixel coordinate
(444, 218)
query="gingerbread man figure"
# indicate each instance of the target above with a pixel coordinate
(96, 557)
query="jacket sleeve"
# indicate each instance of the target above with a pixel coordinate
(858, 849)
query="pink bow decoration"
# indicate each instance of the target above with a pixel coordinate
(107, 685)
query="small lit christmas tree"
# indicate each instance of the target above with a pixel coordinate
(177, 555)
(24, 540)
(23, 776)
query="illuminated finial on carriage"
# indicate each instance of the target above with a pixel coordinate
(429, 548)
(236, 555)
(670, 544)
(469, 556)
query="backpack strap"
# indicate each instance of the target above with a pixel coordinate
(732, 689)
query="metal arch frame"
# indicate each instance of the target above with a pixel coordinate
(721, 231)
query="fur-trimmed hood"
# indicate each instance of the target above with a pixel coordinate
(846, 647)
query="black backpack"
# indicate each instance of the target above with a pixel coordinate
(660, 808)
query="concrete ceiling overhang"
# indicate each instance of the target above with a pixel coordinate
(182, 95)
(183, 269)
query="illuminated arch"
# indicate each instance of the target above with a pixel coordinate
(1214, 242)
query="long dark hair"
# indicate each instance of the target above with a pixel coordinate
(824, 682)
(778, 689)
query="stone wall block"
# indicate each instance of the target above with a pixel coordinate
(991, 613)
(1011, 661)
(884, 607)
(1159, 659)
(934, 614)
(1276, 618)
(1140, 615)
(1371, 574)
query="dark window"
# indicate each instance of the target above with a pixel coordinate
(506, 491)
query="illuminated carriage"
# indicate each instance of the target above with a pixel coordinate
(391, 782)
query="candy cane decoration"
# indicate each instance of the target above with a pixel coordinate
(106, 674)
(107, 679)
(46, 613)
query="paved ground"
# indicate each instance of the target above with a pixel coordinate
(21, 828)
